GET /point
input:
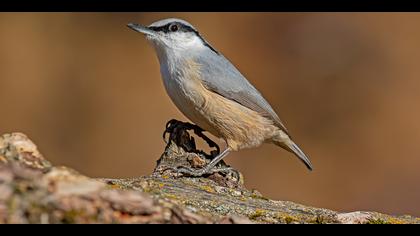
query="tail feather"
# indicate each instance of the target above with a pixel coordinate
(299, 153)
(290, 146)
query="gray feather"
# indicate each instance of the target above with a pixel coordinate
(301, 155)
(221, 77)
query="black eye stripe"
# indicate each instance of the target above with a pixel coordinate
(182, 28)
(159, 29)
(166, 28)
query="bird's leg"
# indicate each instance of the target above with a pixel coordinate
(208, 169)
(199, 132)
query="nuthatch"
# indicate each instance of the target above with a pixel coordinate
(212, 93)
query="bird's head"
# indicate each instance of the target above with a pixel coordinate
(173, 35)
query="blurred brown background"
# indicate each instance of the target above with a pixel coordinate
(88, 91)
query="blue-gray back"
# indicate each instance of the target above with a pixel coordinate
(221, 77)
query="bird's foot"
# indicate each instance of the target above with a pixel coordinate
(177, 131)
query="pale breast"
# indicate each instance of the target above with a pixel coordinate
(186, 93)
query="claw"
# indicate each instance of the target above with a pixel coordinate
(169, 128)
(174, 128)
(189, 171)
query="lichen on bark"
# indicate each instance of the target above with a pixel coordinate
(32, 190)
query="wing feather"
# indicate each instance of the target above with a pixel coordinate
(221, 77)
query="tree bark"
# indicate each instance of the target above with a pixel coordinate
(32, 190)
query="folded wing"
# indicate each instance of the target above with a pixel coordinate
(221, 77)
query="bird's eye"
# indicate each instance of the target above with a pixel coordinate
(173, 27)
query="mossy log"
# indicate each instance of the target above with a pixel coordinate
(32, 190)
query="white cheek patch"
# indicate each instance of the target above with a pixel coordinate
(196, 43)
(185, 41)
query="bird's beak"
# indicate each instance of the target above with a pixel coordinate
(141, 29)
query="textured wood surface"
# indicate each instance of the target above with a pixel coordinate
(32, 190)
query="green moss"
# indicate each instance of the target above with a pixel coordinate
(71, 215)
(257, 214)
(390, 220)
(153, 187)
(116, 184)
(243, 199)
(377, 221)
(396, 221)
(207, 188)
(13, 204)
(318, 220)
(113, 186)
(290, 219)
(256, 196)
(286, 218)
(171, 196)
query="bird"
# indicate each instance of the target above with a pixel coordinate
(211, 92)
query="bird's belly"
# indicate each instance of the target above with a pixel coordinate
(190, 101)
(191, 109)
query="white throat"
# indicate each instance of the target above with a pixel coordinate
(171, 51)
